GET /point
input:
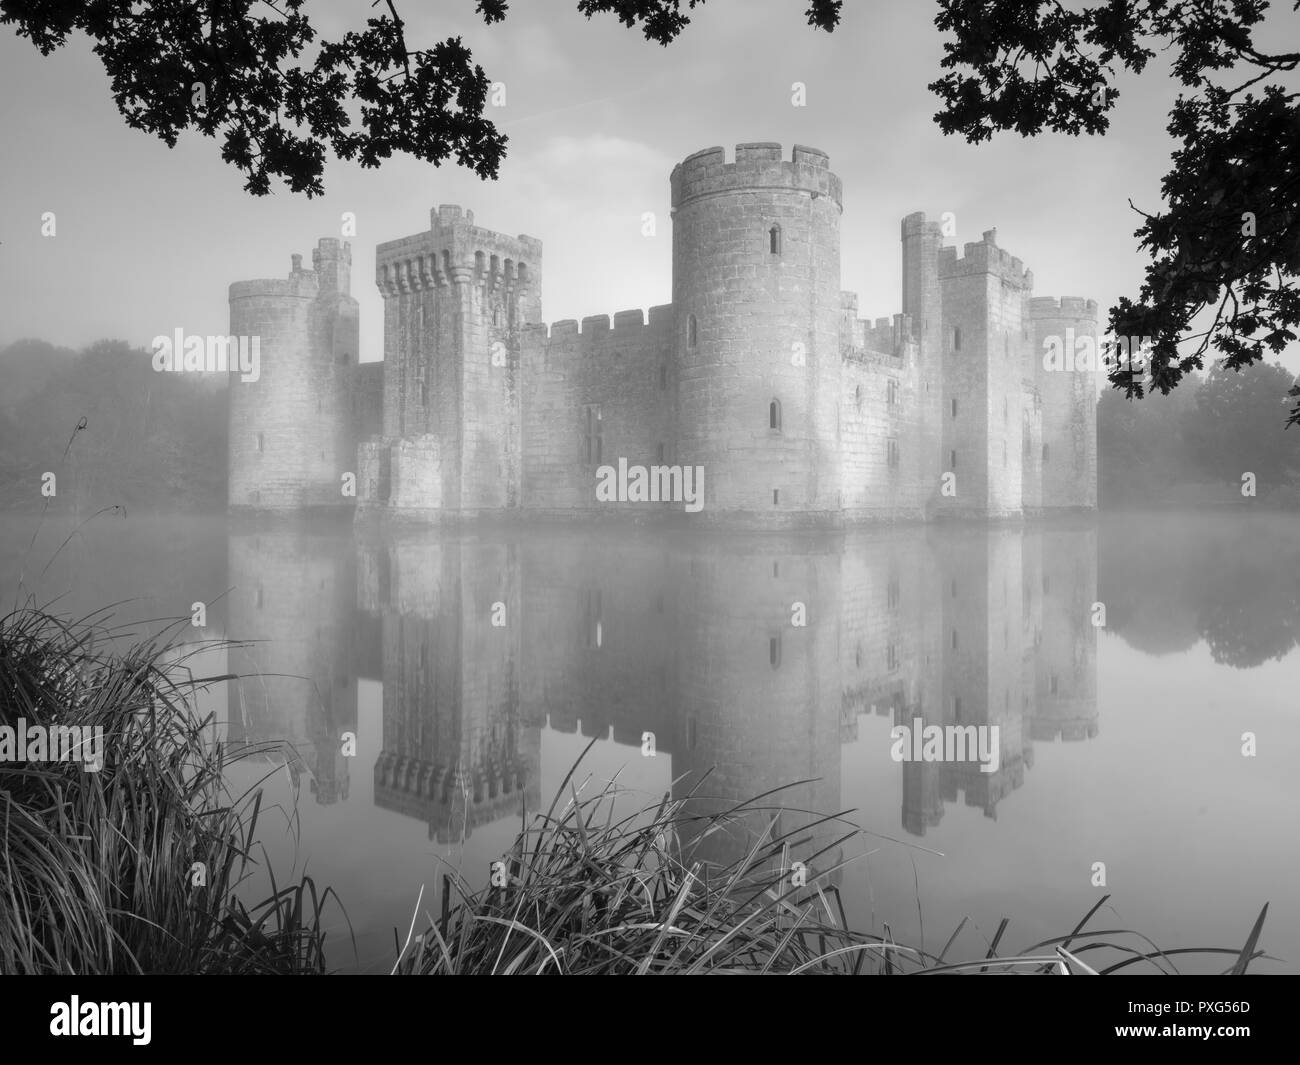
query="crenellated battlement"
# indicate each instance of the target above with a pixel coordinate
(628, 323)
(984, 257)
(760, 370)
(454, 251)
(1065, 307)
(755, 166)
(331, 268)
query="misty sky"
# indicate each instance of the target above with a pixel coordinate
(149, 238)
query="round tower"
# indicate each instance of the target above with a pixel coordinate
(291, 438)
(1068, 389)
(756, 301)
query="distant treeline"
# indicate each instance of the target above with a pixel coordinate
(1192, 446)
(158, 440)
(151, 441)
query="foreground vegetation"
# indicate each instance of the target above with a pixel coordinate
(588, 892)
(98, 869)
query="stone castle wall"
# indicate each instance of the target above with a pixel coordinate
(760, 371)
(612, 386)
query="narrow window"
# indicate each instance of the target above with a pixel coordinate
(692, 331)
(774, 652)
(776, 569)
(954, 408)
(857, 397)
(776, 497)
(954, 639)
(891, 658)
(261, 442)
(953, 588)
(593, 435)
(952, 460)
(424, 392)
(774, 415)
(956, 338)
(774, 240)
(891, 392)
(892, 453)
(1052, 685)
(663, 378)
(1045, 452)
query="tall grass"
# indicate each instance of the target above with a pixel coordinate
(98, 870)
(591, 891)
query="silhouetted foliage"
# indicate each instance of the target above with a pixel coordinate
(238, 71)
(1226, 248)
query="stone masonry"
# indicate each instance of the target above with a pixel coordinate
(760, 373)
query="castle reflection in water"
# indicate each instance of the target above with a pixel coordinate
(690, 638)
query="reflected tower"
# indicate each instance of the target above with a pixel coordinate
(292, 604)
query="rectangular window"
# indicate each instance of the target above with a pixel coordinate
(893, 592)
(892, 453)
(891, 393)
(952, 460)
(593, 435)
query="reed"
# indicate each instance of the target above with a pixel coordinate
(98, 870)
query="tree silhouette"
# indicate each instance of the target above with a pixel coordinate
(1226, 248)
(1224, 252)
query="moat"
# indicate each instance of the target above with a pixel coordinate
(472, 668)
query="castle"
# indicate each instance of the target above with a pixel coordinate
(759, 374)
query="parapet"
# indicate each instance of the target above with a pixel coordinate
(333, 254)
(917, 225)
(1065, 307)
(984, 257)
(455, 251)
(597, 325)
(757, 165)
(887, 335)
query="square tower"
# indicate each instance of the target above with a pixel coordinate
(455, 298)
(983, 348)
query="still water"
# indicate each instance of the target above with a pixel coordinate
(1121, 660)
